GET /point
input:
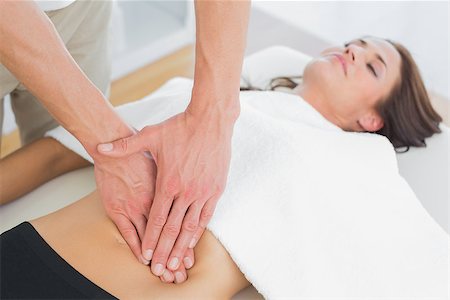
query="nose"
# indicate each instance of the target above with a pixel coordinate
(356, 54)
(351, 52)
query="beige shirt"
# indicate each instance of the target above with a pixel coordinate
(48, 5)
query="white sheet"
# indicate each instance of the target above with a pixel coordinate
(425, 169)
(310, 210)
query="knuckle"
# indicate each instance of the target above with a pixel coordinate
(188, 193)
(211, 190)
(206, 214)
(159, 221)
(167, 194)
(171, 187)
(158, 257)
(114, 209)
(129, 235)
(139, 187)
(191, 190)
(217, 189)
(171, 230)
(123, 144)
(190, 226)
(196, 206)
(177, 211)
(127, 232)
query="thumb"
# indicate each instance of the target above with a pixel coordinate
(123, 147)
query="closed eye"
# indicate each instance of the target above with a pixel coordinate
(371, 68)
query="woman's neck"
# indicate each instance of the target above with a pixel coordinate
(320, 102)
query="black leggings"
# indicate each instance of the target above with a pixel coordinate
(31, 269)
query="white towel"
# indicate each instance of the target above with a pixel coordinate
(311, 211)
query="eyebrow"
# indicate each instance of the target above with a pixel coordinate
(364, 43)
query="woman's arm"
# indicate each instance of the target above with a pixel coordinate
(33, 165)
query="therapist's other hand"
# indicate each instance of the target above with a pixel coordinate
(192, 152)
(126, 186)
(180, 275)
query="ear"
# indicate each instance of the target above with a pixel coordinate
(371, 121)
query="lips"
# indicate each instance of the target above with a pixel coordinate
(342, 61)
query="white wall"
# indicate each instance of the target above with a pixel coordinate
(422, 26)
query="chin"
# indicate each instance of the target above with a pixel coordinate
(322, 73)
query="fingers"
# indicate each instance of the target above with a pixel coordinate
(156, 221)
(180, 274)
(168, 237)
(167, 276)
(177, 276)
(205, 217)
(193, 226)
(189, 258)
(126, 146)
(198, 234)
(184, 240)
(139, 222)
(128, 232)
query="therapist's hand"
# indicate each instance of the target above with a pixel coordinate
(180, 275)
(192, 152)
(126, 186)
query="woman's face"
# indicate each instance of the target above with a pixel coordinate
(352, 79)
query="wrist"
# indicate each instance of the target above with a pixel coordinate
(207, 103)
(93, 121)
(217, 112)
(215, 92)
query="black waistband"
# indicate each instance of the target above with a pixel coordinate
(30, 268)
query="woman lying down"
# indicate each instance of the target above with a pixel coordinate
(314, 205)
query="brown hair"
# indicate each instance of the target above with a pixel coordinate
(407, 113)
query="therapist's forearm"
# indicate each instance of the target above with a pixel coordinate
(221, 30)
(32, 51)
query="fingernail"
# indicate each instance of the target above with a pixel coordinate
(148, 254)
(179, 277)
(105, 147)
(173, 264)
(187, 263)
(144, 261)
(158, 270)
(192, 244)
(167, 276)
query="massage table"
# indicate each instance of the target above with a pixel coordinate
(425, 169)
